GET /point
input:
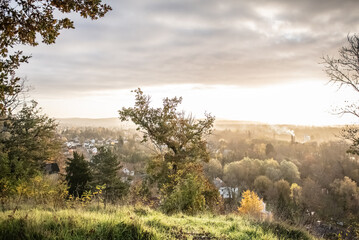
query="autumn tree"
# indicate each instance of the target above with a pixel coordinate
(21, 23)
(179, 140)
(347, 195)
(344, 72)
(251, 204)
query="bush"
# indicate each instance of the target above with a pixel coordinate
(187, 197)
(43, 189)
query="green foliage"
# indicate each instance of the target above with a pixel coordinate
(78, 174)
(186, 197)
(242, 173)
(137, 223)
(179, 139)
(71, 226)
(42, 189)
(189, 191)
(31, 140)
(179, 136)
(213, 168)
(289, 171)
(263, 185)
(281, 199)
(105, 166)
(140, 193)
(21, 23)
(88, 197)
(284, 231)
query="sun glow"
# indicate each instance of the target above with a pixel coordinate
(306, 103)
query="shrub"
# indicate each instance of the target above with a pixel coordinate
(186, 197)
(251, 204)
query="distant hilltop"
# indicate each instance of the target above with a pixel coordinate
(94, 122)
(116, 123)
(219, 124)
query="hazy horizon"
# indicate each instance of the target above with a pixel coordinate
(223, 122)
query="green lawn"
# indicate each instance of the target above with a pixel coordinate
(135, 223)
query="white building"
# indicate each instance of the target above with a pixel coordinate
(228, 192)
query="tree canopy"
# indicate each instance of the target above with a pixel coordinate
(178, 137)
(181, 147)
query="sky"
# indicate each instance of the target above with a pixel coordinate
(253, 60)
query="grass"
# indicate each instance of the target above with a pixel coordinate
(135, 223)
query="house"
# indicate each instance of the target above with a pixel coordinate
(228, 192)
(218, 182)
(128, 172)
(51, 168)
(94, 150)
(265, 215)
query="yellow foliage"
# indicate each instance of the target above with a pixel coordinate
(295, 193)
(251, 204)
(87, 197)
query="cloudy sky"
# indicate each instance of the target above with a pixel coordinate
(243, 60)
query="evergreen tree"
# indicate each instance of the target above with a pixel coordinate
(29, 140)
(105, 167)
(78, 174)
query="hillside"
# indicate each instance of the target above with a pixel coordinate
(135, 223)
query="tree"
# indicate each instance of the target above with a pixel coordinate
(347, 193)
(78, 174)
(344, 71)
(21, 22)
(105, 166)
(251, 204)
(188, 196)
(289, 171)
(31, 140)
(179, 141)
(213, 168)
(270, 151)
(263, 184)
(281, 198)
(242, 173)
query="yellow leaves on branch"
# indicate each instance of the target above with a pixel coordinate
(251, 204)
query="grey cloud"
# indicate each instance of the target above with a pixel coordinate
(142, 43)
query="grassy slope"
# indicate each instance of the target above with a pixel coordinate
(135, 223)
